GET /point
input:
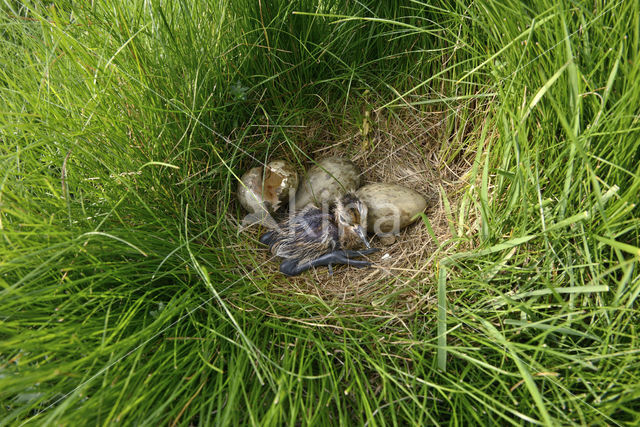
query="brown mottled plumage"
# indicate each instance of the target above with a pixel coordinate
(308, 236)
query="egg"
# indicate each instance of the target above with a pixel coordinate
(328, 179)
(391, 207)
(267, 188)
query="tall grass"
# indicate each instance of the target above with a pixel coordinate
(127, 296)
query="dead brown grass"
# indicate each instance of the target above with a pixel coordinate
(409, 149)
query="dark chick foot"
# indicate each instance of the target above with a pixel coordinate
(290, 267)
(338, 257)
(355, 254)
(358, 263)
(265, 239)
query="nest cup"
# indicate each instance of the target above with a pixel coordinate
(406, 150)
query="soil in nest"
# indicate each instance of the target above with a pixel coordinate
(405, 149)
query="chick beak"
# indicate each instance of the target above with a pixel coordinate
(362, 234)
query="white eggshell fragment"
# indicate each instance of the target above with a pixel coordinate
(328, 179)
(280, 182)
(250, 190)
(391, 207)
(261, 190)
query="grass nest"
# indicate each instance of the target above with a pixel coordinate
(407, 148)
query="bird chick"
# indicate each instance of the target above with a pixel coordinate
(312, 237)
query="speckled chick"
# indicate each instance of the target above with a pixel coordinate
(311, 237)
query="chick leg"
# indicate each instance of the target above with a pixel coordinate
(292, 267)
(338, 257)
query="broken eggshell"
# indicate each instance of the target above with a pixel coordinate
(391, 207)
(328, 179)
(265, 189)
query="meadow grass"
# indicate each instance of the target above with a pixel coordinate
(126, 294)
